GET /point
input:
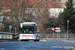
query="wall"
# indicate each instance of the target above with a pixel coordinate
(54, 12)
(63, 3)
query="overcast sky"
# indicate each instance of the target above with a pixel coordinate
(73, 0)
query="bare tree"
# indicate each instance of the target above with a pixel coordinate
(41, 15)
(17, 13)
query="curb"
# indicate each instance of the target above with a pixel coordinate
(43, 40)
(69, 41)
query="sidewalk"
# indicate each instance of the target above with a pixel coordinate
(69, 41)
(57, 39)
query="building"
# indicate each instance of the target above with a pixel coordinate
(60, 2)
(54, 8)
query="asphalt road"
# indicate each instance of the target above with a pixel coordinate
(31, 45)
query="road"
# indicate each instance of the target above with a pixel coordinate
(31, 45)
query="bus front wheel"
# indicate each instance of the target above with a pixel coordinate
(36, 40)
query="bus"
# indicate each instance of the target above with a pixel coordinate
(29, 31)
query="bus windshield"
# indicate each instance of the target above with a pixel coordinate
(27, 29)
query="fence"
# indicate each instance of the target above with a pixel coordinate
(6, 36)
(57, 36)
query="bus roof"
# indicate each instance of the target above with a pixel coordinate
(28, 23)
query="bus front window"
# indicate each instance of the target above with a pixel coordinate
(27, 29)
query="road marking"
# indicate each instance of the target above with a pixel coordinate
(69, 41)
(65, 47)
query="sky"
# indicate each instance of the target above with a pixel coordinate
(73, 0)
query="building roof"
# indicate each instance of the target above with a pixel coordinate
(6, 3)
(30, 3)
(42, 3)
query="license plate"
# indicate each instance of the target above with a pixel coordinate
(26, 38)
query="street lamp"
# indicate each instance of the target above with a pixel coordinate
(67, 28)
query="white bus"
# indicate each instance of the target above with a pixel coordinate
(29, 31)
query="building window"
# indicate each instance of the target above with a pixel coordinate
(53, 0)
(11, 0)
(46, 0)
(59, 0)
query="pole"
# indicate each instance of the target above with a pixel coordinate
(67, 28)
(15, 30)
(53, 31)
(57, 34)
(10, 30)
(53, 34)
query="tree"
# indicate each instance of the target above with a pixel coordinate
(19, 14)
(16, 15)
(69, 15)
(41, 15)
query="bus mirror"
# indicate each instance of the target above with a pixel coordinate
(38, 29)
